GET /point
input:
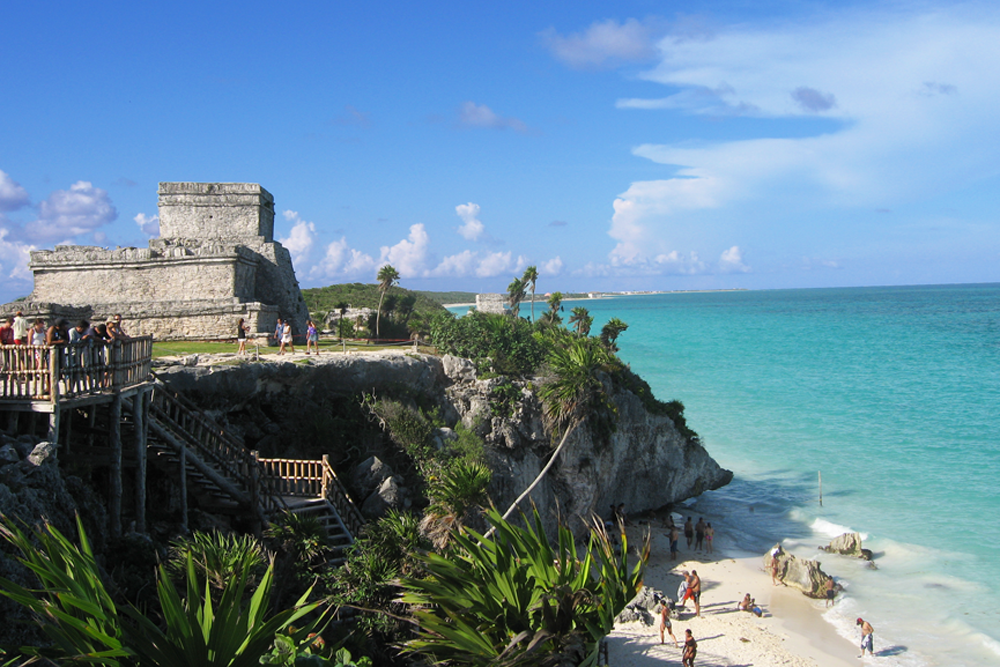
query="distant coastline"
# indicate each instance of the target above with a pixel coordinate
(590, 296)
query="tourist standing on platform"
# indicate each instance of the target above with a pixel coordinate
(7, 332)
(21, 328)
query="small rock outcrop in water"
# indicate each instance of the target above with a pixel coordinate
(848, 544)
(646, 463)
(805, 575)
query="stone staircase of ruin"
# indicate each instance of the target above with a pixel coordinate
(224, 477)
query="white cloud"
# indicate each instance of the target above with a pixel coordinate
(731, 261)
(920, 122)
(603, 43)
(679, 263)
(150, 225)
(552, 267)
(67, 213)
(493, 264)
(471, 228)
(460, 265)
(300, 240)
(471, 114)
(341, 261)
(409, 256)
(12, 195)
(14, 257)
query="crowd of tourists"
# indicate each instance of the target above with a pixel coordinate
(19, 330)
(283, 336)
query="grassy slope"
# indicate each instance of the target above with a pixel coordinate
(360, 295)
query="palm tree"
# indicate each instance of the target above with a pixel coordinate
(530, 277)
(515, 294)
(551, 316)
(582, 320)
(387, 277)
(610, 333)
(341, 307)
(572, 393)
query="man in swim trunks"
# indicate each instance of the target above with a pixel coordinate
(694, 590)
(867, 637)
(689, 532)
(699, 534)
(665, 623)
(674, 538)
(830, 591)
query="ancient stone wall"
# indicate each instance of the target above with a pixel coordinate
(216, 210)
(491, 303)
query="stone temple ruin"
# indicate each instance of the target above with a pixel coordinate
(215, 261)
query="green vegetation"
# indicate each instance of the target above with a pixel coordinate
(413, 308)
(498, 344)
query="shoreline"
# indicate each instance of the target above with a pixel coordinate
(792, 631)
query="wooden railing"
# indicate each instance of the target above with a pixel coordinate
(41, 372)
(216, 447)
(313, 479)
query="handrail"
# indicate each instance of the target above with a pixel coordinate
(35, 372)
(335, 493)
(215, 445)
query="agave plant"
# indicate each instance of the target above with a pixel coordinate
(517, 600)
(218, 557)
(75, 611)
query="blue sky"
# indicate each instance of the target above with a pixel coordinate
(616, 146)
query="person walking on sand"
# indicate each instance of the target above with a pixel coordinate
(690, 649)
(830, 591)
(694, 590)
(867, 637)
(709, 537)
(689, 532)
(774, 566)
(665, 623)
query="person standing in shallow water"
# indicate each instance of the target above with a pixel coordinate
(830, 591)
(867, 637)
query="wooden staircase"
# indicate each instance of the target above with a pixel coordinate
(224, 477)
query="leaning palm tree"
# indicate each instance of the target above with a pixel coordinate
(610, 333)
(570, 394)
(530, 277)
(581, 320)
(515, 294)
(387, 277)
(551, 316)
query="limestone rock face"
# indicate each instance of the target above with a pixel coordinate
(369, 475)
(805, 575)
(644, 608)
(646, 463)
(848, 544)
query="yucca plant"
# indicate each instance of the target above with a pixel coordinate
(217, 556)
(516, 599)
(455, 491)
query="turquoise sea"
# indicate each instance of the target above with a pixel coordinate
(893, 395)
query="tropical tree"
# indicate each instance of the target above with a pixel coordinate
(342, 307)
(551, 316)
(387, 277)
(517, 599)
(581, 321)
(515, 295)
(610, 332)
(456, 491)
(530, 277)
(571, 393)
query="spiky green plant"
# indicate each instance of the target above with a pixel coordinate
(516, 599)
(217, 556)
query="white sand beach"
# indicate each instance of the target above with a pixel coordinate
(790, 633)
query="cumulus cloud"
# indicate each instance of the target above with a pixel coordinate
(680, 263)
(340, 261)
(471, 114)
(552, 267)
(150, 225)
(460, 265)
(12, 195)
(14, 257)
(603, 43)
(471, 228)
(301, 238)
(493, 264)
(68, 213)
(894, 135)
(410, 255)
(731, 261)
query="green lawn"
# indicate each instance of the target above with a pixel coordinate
(182, 348)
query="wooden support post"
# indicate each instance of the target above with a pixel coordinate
(115, 434)
(53, 433)
(139, 421)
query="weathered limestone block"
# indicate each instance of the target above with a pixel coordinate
(369, 475)
(805, 575)
(849, 544)
(644, 607)
(216, 210)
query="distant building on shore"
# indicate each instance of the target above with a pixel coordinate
(491, 303)
(215, 261)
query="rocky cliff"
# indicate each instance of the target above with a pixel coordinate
(646, 463)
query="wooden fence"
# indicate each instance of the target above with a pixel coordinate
(40, 372)
(313, 479)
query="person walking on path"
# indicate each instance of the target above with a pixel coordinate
(690, 649)
(867, 637)
(665, 623)
(241, 337)
(312, 337)
(279, 329)
(286, 339)
(699, 534)
(689, 532)
(694, 590)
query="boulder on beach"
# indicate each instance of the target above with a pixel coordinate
(644, 607)
(805, 575)
(848, 544)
